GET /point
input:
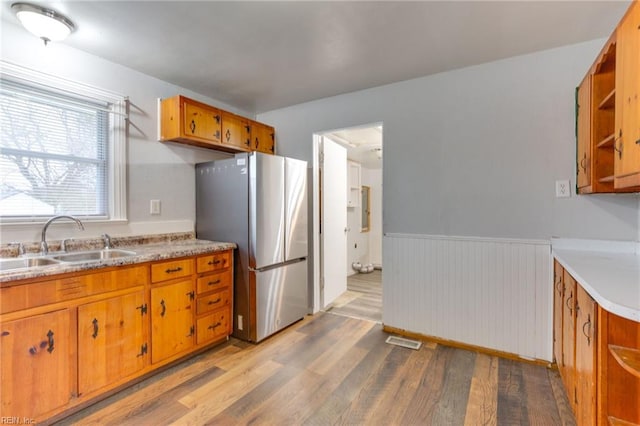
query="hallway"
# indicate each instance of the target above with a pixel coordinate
(363, 298)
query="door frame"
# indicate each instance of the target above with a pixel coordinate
(315, 254)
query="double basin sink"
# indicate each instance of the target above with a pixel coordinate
(62, 258)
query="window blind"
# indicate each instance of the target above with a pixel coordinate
(53, 153)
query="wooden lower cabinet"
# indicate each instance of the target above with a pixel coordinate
(172, 327)
(567, 369)
(112, 341)
(69, 339)
(586, 356)
(35, 367)
(600, 357)
(558, 303)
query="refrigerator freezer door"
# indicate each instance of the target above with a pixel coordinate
(281, 295)
(266, 210)
(295, 192)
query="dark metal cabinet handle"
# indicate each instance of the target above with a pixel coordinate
(191, 295)
(171, 271)
(214, 262)
(95, 328)
(568, 304)
(50, 341)
(227, 135)
(192, 126)
(217, 117)
(213, 326)
(588, 323)
(213, 302)
(213, 282)
(257, 143)
(192, 330)
(164, 308)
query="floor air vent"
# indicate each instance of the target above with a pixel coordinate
(405, 343)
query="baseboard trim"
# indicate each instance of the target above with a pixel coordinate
(468, 347)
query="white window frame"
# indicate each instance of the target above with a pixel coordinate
(117, 146)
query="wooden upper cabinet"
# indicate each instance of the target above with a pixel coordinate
(610, 161)
(627, 122)
(35, 375)
(583, 108)
(263, 138)
(191, 122)
(236, 131)
(188, 121)
(111, 340)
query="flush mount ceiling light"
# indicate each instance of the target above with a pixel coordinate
(46, 24)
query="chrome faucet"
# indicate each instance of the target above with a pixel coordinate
(107, 241)
(44, 247)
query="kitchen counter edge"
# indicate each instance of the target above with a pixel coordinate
(144, 253)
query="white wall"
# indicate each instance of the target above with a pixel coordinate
(155, 170)
(473, 152)
(373, 179)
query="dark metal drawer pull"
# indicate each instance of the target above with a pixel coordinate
(213, 327)
(213, 302)
(213, 282)
(171, 271)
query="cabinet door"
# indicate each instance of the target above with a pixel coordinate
(569, 337)
(202, 122)
(172, 327)
(35, 367)
(583, 129)
(236, 131)
(627, 157)
(558, 297)
(263, 138)
(585, 358)
(110, 340)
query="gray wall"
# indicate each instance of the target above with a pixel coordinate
(475, 151)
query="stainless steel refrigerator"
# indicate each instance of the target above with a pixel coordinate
(259, 202)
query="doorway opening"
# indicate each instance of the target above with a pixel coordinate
(347, 221)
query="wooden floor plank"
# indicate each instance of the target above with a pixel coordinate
(511, 393)
(390, 409)
(560, 397)
(455, 389)
(422, 406)
(208, 401)
(363, 298)
(541, 410)
(483, 394)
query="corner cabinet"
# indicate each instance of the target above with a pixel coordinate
(608, 116)
(598, 356)
(188, 121)
(68, 340)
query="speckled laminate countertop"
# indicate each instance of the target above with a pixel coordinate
(145, 252)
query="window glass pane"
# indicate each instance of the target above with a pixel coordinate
(52, 154)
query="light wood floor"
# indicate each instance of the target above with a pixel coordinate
(363, 298)
(330, 369)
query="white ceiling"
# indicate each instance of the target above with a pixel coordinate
(364, 144)
(265, 55)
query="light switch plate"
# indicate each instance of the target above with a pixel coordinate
(563, 189)
(154, 207)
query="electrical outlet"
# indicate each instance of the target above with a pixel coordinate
(155, 207)
(563, 189)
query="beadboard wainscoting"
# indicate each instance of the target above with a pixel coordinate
(493, 293)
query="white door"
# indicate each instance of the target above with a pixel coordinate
(333, 221)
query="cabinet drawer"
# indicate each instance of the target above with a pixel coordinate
(172, 269)
(213, 282)
(213, 326)
(41, 293)
(213, 301)
(214, 262)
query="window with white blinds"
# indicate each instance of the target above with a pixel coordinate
(57, 153)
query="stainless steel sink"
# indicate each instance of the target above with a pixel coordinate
(87, 256)
(26, 262)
